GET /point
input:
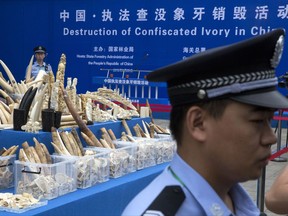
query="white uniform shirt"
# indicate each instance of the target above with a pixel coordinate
(36, 68)
(201, 199)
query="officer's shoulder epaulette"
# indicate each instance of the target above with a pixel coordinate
(167, 202)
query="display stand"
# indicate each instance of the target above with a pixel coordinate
(108, 198)
(11, 137)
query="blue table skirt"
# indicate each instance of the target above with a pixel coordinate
(108, 198)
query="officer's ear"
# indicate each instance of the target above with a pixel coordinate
(195, 122)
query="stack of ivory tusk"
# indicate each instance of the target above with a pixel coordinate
(37, 154)
(5, 114)
(67, 121)
(50, 92)
(67, 143)
(21, 95)
(9, 151)
(107, 138)
(148, 131)
(113, 100)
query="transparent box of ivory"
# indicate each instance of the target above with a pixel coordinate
(151, 151)
(7, 171)
(91, 169)
(165, 148)
(45, 181)
(145, 151)
(121, 159)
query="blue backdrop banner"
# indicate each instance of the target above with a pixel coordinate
(116, 43)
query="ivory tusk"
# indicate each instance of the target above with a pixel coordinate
(29, 69)
(11, 77)
(6, 85)
(6, 96)
(38, 104)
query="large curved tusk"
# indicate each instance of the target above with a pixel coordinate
(82, 126)
(11, 77)
(33, 83)
(6, 96)
(6, 113)
(6, 85)
(29, 69)
(24, 86)
(33, 112)
(38, 104)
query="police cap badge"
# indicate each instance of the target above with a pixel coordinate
(39, 49)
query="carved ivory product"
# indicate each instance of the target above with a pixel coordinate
(108, 98)
(60, 77)
(49, 93)
(19, 203)
(121, 161)
(42, 175)
(6, 171)
(91, 168)
(46, 181)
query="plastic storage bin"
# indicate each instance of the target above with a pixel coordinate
(46, 181)
(7, 171)
(151, 151)
(165, 148)
(90, 169)
(122, 160)
(145, 151)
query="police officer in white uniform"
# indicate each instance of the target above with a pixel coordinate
(40, 64)
(222, 102)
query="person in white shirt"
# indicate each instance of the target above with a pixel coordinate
(223, 100)
(40, 64)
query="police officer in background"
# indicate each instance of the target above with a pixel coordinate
(222, 102)
(40, 64)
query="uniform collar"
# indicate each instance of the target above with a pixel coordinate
(36, 63)
(207, 197)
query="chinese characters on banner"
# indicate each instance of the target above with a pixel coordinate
(128, 39)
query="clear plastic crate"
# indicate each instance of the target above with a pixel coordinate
(121, 160)
(165, 147)
(145, 151)
(91, 169)
(46, 181)
(151, 151)
(7, 171)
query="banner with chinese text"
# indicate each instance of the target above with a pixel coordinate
(116, 43)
